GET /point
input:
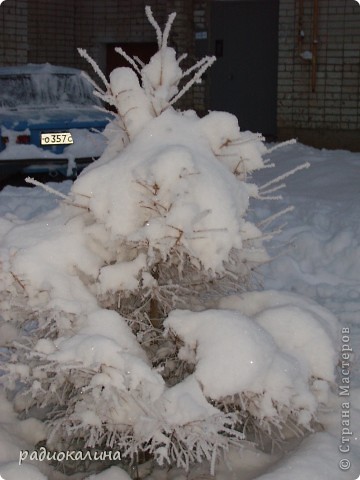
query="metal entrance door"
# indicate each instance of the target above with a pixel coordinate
(243, 80)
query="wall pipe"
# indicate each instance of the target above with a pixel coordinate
(301, 33)
(314, 50)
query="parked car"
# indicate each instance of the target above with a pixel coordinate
(48, 120)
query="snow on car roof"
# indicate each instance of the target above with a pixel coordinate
(41, 68)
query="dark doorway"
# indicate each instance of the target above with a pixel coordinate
(143, 50)
(244, 37)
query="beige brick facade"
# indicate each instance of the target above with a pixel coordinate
(318, 98)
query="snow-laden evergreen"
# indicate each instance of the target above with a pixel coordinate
(124, 339)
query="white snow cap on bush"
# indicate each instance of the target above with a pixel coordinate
(161, 77)
(241, 151)
(299, 326)
(185, 403)
(130, 100)
(168, 188)
(252, 366)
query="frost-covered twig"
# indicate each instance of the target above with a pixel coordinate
(285, 175)
(154, 23)
(93, 83)
(83, 53)
(48, 189)
(107, 98)
(205, 65)
(269, 197)
(194, 67)
(66, 199)
(274, 189)
(266, 222)
(139, 61)
(128, 59)
(167, 29)
(181, 58)
(282, 144)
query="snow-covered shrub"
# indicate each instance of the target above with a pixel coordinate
(110, 292)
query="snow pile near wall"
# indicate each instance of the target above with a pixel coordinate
(322, 235)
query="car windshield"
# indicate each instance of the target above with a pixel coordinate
(44, 89)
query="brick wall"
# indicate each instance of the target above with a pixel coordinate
(110, 21)
(13, 32)
(201, 23)
(51, 32)
(318, 102)
(56, 29)
(319, 97)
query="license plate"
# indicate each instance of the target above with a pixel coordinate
(61, 138)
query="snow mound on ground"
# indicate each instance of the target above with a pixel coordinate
(305, 464)
(11, 471)
(113, 473)
(320, 245)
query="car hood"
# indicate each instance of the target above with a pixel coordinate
(50, 118)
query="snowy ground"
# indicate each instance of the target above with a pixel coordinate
(316, 255)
